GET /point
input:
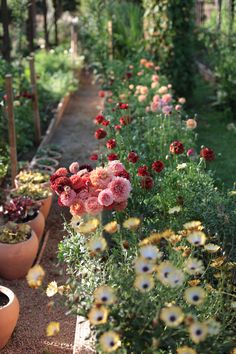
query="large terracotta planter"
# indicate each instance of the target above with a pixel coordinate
(8, 316)
(16, 259)
(37, 224)
(46, 205)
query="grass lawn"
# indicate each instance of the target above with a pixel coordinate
(213, 133)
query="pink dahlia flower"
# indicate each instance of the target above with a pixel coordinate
(77, 208)
(101, 177)
(115, 166)
(92, 206)
(74, 167)
(105, 197)
(120, 188)
(67, 198)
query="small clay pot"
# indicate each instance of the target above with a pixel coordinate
(9, 314)
(16, 259)
(46, 205)
(37, 224)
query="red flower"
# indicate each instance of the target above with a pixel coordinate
(207, 153)
(112, 157)
(100, 133)
(105, 123)
(58, 184)
(111, 144)
(117, 127)
(176, 147)
(101, 93)
(143, 171)
(93, 157)
(99, 119)
(123, 105)
(133, 157)
(123, 174)
(147, 182)
(158, 166)
(77, 182)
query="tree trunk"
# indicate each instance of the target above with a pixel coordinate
(231, 16)
(6, 46)
(31, 24)
(218, 4)
(55, 5)
(45, 24)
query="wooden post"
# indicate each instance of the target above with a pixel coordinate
(110, 45)
(37, 126)
(11, 128)
(74, 38)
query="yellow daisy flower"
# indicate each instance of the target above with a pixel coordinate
(88, 227)
(213, 326)
(211, 248)
(192, 225)
(143, 266)
(144, 282)
(52, 289)
(218, 262)
(150, 252)
(35, 276)
(172, 316)
(163, 271)
(197, 238)
(198, 332)
(75, 222)
(194, 266)
(131, 223)
(110, 341)
(111, 227)
(194, 295)
(175, 278)
(98, 315)
(104, 295)
(52, 329)
(97, 244)
(186, 350)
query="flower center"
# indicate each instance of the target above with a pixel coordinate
(172, 318)
(145, 268)
(145, 286)
(104, 298)
(198, 332)
(195, 298)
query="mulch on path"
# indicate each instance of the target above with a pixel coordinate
(75, 137)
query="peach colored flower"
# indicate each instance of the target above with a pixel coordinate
(120, 188)
(156, 98)
(105, 197)
(131, 87)
(155, 78)
(155, 106)
(142, 98)
(147, 109)
(191, 123)
(182, 100)
(154, 84)
(162, 90)
(169, 86)
(77, 208)
(83, 195)
(143, 90)
(166, 98)
(122, 96)
(92, 206)
(101, 177)
(178, 107)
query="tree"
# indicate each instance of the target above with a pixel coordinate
(231, 16)
(45, 23)
(31, 24)
(6, 46)
(218, 4)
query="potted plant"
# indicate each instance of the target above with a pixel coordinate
(23, 209)
(36, 192)
(18, 249)
(32, 176)
(9, 313)
(49, 152)
(46, 161)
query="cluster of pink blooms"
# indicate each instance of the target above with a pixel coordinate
(85, 190)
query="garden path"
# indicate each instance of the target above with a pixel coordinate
(75, 137)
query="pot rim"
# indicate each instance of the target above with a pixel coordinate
(9, 293)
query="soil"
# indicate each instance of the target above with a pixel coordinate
(75, 137)
(3, 299)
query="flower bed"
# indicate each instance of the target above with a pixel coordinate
(155, 278)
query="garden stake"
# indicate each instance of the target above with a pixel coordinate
(110, 45)
(11, 125)
(35, 101)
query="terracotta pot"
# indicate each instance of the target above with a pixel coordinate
(46, 205)
(16, 259)
(37, 224)
(8, 316)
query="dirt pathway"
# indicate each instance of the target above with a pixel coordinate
(75, 136)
